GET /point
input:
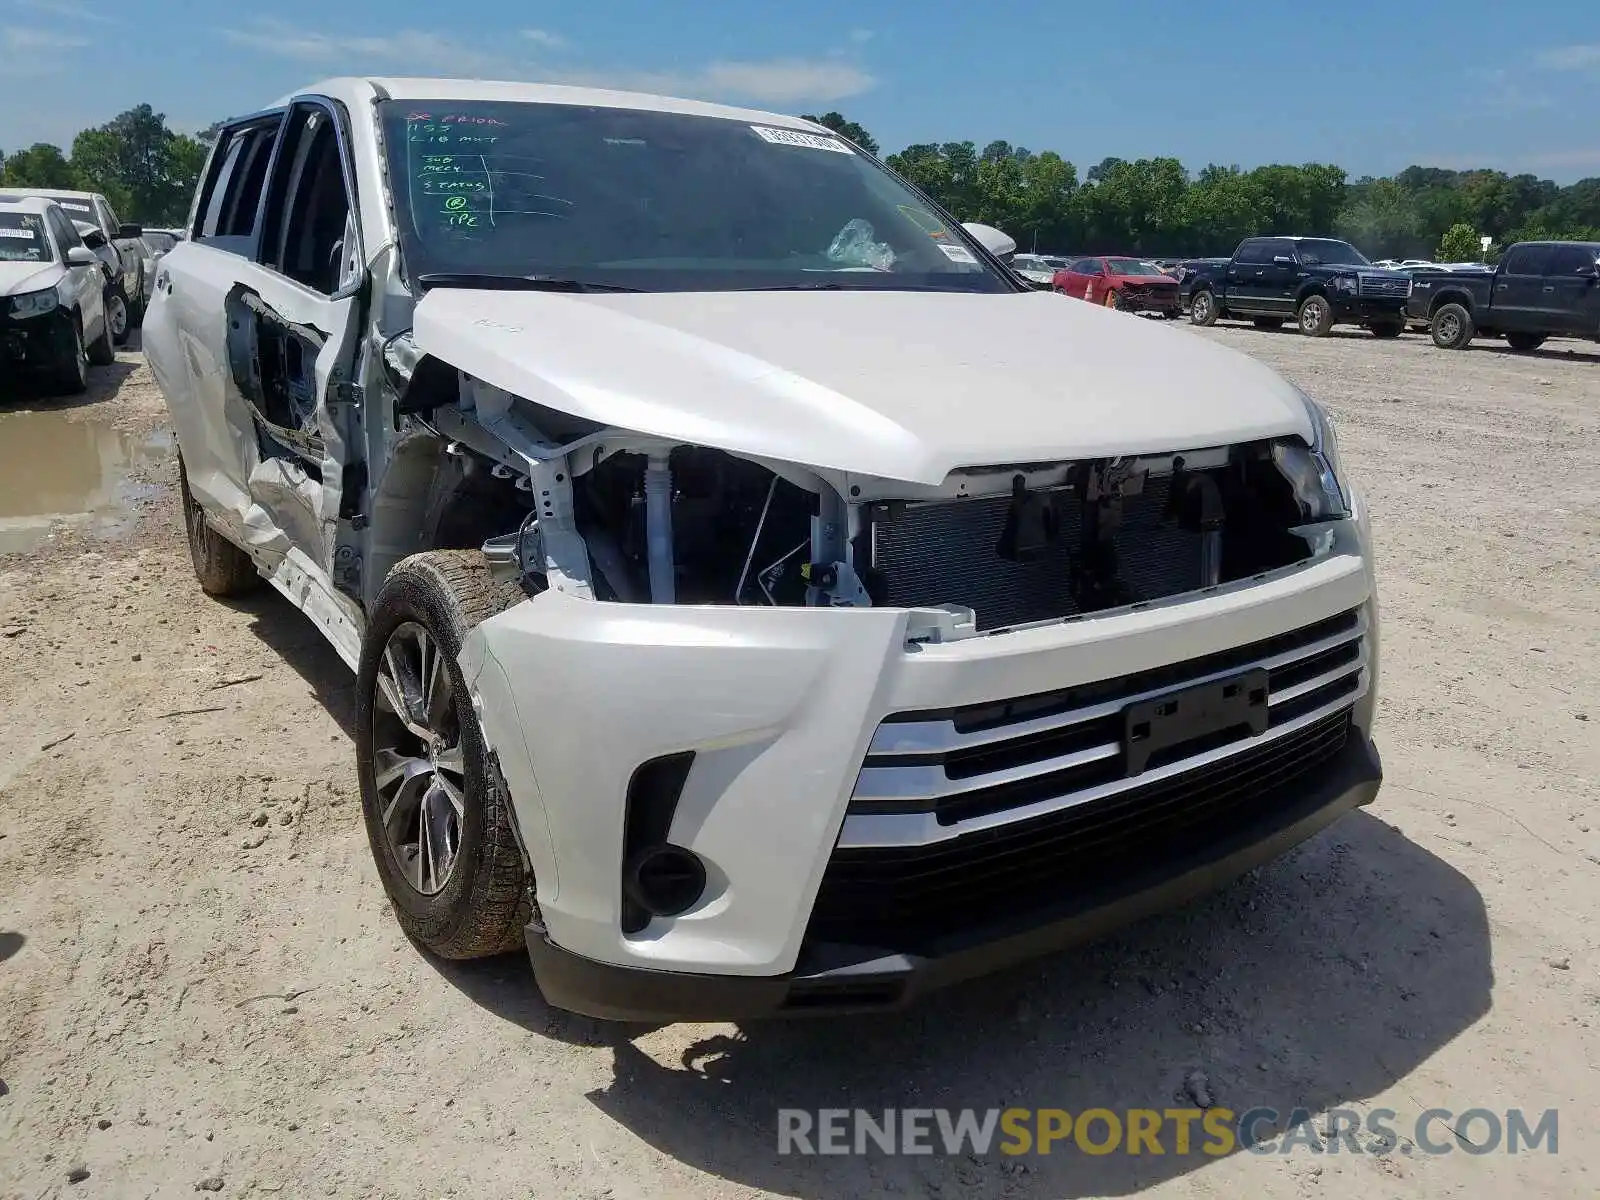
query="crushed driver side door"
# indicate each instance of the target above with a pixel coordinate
(292, 322)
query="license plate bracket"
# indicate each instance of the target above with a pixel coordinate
(1190, 714)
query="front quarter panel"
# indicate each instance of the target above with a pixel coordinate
(574, 695)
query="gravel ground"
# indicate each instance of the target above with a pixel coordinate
(201, 985)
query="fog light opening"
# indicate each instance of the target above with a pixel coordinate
(665, 880)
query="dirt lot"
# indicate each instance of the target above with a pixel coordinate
(200, 982)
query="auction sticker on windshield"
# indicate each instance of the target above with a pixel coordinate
(25, 234)
(958, 254)
(799, 137)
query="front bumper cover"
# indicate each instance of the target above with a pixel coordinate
(832, 979)
(1349, 309)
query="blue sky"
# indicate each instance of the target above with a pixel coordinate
(1370, 85)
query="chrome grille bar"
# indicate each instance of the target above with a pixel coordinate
(942, 737)
(885, 830)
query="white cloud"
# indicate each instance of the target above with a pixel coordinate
(782, 81)
(861, 36)
(774, 81)
(21, 38)
(410, 51)
(1579, 159)
(545, 39)
(69, 9)
(1572, 58)
(1502, 92)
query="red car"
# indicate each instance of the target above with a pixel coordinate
(1128, 284)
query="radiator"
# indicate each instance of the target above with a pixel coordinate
(943, 552)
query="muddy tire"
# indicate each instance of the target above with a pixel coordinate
(221, 567)
(117, 315)
(1452, 327)
(1524, 342)
(71, 375)
(136, 302)
(1203, 308)
(437, 812)
(101, 352)
(1315, 317)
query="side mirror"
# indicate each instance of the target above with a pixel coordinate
(1001, 245)
(82, 256)
(1282, 260)
(130, 231)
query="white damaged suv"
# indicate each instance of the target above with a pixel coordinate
(748, 615)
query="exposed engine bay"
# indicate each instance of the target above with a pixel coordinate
(997, 547)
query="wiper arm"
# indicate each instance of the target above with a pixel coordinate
(514, 283)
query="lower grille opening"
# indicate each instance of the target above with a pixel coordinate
(906, 898)
(817, 995)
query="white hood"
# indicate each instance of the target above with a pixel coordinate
(898, 385)
(19, 277)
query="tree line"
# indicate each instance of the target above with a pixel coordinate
(1155, 206)
(1151, 206)
(145, 169)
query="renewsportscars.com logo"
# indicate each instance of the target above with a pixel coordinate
(1213, 1132)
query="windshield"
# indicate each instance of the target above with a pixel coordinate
(1330, 253)
(22, 238)
(1132, 266)
(657, 201)
(78, 209)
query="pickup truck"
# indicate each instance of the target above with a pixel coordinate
(1316, 282)
(1540, 290)
(748, 614)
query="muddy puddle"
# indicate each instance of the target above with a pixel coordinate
(59, 466)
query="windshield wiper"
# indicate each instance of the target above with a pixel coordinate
(514, 283)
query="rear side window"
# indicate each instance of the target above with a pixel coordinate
(1529, 260)
(231, 203)
(1569, 260)
(1253, 252)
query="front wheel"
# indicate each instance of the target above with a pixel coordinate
(437, 813)
(1316, 316)
(1203, 309)
(72, 372)
(1525, 341)
(101, 352)
(117, 318)
(1452, 327)
(1389, 329)
(137, 302)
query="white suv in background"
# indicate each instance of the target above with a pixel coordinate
(749, 614)
(52, 309)
(118, 244)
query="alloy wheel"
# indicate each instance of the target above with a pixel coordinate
(117, 317)
(419, 768)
